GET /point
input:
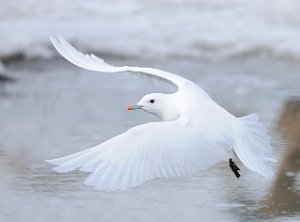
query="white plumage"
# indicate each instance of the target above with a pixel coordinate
(194, 134)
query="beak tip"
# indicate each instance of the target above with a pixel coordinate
(133, 107)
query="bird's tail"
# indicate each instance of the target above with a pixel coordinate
(252, 146)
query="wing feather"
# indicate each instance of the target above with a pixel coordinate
(94, 63)
(146, 152)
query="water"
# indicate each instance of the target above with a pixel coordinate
(54, 109)
(178, 28)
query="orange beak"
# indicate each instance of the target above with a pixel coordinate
(133, 107)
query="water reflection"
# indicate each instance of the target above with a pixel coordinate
(284, 197)
(23, 173)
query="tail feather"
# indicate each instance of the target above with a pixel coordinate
(253, 146)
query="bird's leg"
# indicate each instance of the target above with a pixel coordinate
(235, 169)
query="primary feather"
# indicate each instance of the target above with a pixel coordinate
(154, 150)
(93, 63)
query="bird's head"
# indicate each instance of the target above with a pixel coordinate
(158, 104)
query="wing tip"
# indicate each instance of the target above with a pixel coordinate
(57, 168)
(60, 169)
(55, 39)
(50, 162)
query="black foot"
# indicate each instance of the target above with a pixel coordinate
(235, 169)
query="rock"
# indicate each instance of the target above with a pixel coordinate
(284, 196)
(3, 76)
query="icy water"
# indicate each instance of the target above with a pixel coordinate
(54, 109)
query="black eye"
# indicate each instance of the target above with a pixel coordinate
(152, 101)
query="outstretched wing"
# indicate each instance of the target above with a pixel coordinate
(94, 63)
(145, 152)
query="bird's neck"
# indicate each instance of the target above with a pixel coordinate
(169, 116)
(170, 112)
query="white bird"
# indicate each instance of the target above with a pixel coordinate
(194, 134)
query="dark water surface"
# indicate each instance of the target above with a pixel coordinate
(54, 109)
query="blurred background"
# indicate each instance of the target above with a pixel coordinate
(245, 54)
